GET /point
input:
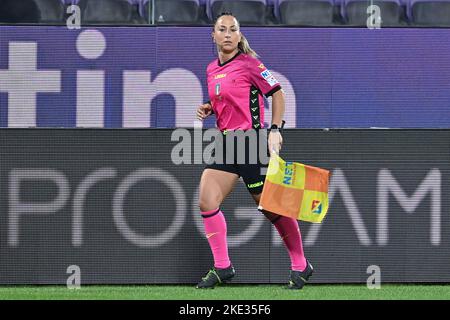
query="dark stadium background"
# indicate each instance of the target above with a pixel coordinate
(86, 176)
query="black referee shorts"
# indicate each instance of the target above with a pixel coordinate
(242, 152)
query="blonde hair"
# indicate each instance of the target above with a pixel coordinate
(243, 45)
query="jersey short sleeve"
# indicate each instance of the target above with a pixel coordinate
(262, 78)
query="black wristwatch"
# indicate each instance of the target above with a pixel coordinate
(274, 128)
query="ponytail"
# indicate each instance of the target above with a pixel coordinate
(244, 46)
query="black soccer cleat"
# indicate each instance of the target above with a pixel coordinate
(299, 278)
(215, 277)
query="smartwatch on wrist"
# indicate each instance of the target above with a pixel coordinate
(274, 128)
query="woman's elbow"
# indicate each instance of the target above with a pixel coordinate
(279, 95)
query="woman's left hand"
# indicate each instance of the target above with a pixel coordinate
(275, 141)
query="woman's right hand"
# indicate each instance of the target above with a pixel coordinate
(204, 111)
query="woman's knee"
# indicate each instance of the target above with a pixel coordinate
(208, 203)
(256, 198)
(268, 215)
(215, 185)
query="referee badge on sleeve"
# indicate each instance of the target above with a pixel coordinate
(267, 75)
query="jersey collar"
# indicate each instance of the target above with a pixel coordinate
(229, 60)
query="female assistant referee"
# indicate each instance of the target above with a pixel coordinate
(236, 82)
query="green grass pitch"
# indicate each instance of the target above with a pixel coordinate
(228, 292)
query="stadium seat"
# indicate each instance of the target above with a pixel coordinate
(23, 11)
(434, 13)
(270, 10)
(355, 13)
(51, 11)
(305, 12)
(202, 14)
(248, 12)
(173, 11)
(109, 12)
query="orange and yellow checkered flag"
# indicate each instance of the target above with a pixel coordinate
(295, 190)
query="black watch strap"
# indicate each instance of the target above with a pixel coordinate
(275, 127)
